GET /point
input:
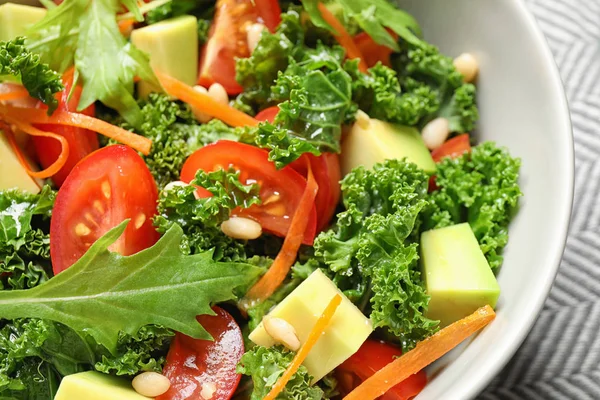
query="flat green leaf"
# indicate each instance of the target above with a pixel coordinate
(104, 293)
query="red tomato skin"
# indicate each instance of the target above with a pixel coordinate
(373, 52)
(286, 184)
(81, 141)
(268, 114)
(270, 13)
(192, 362)
(370, 358)
(107, 187)
(453, 148)
(227, 40)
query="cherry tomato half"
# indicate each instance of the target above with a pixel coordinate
(268, 114)
(269, 12)
(192, 362)
(453, 148)
(370, 358)
(227, 41)
(326, 169)
(104, 189)
(280, 190)
(81, 141)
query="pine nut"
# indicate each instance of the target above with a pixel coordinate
(218, 93)
(151, 384)
(362, 119)
(253, 34)
(468, 66)
(208, 390)
(241, 228)
(435, 133)
(173, 185)
(200, 116)
(282, 332)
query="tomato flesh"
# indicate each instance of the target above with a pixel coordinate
(227, 41)
(81, 141)
(372, 356)
(192, 362)
(280, 190)
(107, 187)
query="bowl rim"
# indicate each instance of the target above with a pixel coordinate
(509, 347)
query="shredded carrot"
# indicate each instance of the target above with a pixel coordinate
(27, 128)
(204, 103)
(276, 274)
(39, 116)
(126, 26)
(17, 93)
(343, 37)
(422, 355)
(314, 335)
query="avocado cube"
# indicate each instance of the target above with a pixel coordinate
(173, 49)
(371, 141)
(16, 19)
(457, 275)
(92, 385)
(13, 174)
(346, 332)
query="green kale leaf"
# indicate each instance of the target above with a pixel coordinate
(265, 366)
(201, 218)
(480, 188)
(104, 293)
(18, 62)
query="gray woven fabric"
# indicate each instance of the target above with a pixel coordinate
(561, 357)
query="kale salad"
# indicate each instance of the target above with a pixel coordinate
(239, 199)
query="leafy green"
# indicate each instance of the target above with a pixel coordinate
(371, 254)
(480, 188)
(265, 366)
(24, 238)
(104, 293)
(40, 81)
(201, 218)
(373, 16)
(175, 135)
(86, 32)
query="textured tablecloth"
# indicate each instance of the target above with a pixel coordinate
(561, 357)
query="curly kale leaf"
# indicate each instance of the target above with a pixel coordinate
(41, 82)
(480, 188)
(265, 366)
(201, 218)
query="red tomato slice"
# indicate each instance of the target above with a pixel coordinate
(373, 52)
(370, 358)
(104, 189)
(270, 13)
(227, 41)
(326, 169)
(268, 114)
(81, 141)
(280, 190)
(192, 362)
(452, 148)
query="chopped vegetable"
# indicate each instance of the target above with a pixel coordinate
(115, 279)
(422, 355)
(314, 336)
(12, 92)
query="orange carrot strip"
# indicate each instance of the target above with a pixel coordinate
(56, 165)
(426, 352)
(343, 37)
(314, 335)
(203, 102)
(276, 274)
(19, 93)
(126, 26)
(39, 116)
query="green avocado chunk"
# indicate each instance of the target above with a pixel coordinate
(371, 141)
(457, 275)
(16, 19)
(173, 48)
(92, 385)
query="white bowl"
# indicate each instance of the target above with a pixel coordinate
(523, 107)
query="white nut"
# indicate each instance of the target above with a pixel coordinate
(241, 228)
(200, 116)
(282, 332)
(173, 185)
(151, 384)
(362, 119)
(468, 66)
(253, 34)
(208, 390)
(218, 93)
(435, 133)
